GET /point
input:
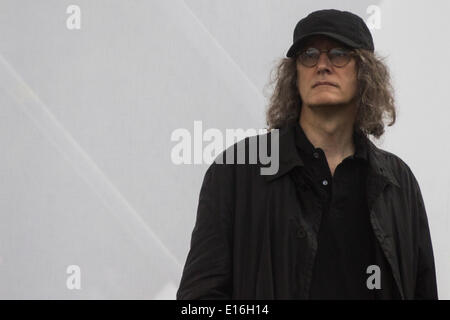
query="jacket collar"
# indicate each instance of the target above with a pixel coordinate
(307, 147)
(289, 157)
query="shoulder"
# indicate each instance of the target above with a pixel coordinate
(247, 157)
(395, 165)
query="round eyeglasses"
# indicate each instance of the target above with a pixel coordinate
(339, 57)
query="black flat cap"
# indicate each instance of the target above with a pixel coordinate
(342, 26)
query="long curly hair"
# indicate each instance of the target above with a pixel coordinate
(375, 94)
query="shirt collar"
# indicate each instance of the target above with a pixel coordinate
(289, 157)
(306, 146)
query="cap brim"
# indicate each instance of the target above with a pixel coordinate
(293, 49)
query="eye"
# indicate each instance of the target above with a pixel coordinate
(311, 52)
(339, 52)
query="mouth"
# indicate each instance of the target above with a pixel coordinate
(324, 84)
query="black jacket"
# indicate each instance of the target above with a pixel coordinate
(246, 243)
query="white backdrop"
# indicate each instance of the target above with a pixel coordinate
(86, 117)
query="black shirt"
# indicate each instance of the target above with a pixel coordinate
(346, 242)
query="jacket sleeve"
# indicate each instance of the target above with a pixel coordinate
(207, 271)
(426, 287)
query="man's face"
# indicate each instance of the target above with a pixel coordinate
(343, 78)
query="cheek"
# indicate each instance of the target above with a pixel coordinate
(299, 76)
(301, 82)
(352, 83)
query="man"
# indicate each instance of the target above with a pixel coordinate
(341, 219)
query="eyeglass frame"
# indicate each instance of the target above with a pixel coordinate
(350, 52)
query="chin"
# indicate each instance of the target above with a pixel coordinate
(327, 99)
(325, 102)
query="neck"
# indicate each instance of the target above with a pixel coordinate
(330, 128)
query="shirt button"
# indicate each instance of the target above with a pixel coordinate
(316, 155)
(325, 182)
(301, 233)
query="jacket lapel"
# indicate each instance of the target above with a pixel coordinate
(288, 155)
(379, 176)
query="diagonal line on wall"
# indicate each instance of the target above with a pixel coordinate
(224, 51)
(12, 84)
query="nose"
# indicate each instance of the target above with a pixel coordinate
(323, 64)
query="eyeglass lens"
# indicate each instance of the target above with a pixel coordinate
(339, 57)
